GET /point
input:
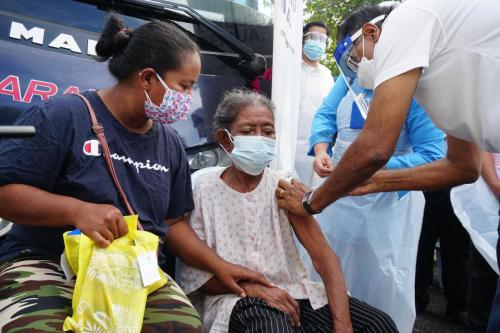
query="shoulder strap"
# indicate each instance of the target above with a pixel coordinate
(99, 131)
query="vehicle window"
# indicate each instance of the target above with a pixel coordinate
(251, 12)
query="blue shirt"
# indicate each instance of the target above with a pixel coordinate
(426, 140)
(65, 158)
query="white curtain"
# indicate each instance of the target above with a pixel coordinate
(287, 55)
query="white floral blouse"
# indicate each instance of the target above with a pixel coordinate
(250, 230)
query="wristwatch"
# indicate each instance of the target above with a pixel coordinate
(306, 203)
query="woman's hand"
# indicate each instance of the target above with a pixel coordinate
(231, 274)
(323, 165)
(101, 223)
(275, 297)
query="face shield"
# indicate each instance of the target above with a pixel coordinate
(348, 65)
(342, 56)
(317, 36)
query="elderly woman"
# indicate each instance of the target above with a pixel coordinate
(236, 214)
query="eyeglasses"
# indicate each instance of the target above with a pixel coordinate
(352, 62)
(317, 36)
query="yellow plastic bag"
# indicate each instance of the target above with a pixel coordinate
(109, 293)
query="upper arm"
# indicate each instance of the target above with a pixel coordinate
(36, 161)
(466, 157)
(488, 170)
(488, 164)
(190, 277)
(172, 221)
(181, 194)
(324, 124)
(195, 218)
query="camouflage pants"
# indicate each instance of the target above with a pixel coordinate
(36, 297)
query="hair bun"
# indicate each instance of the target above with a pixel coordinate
(114, 37)
(121, 40)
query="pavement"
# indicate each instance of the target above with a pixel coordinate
(432, 320)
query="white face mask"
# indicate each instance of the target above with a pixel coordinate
(366, 71)
(251, 154)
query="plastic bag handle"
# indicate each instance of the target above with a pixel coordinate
(99, 131)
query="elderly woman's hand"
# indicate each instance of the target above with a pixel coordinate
(231, 274)
(290, 196)
(276, 298)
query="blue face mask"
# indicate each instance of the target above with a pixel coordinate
(251, 154)
(314, 49)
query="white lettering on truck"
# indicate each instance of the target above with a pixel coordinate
(62, 41)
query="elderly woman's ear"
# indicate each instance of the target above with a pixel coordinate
(222, 137)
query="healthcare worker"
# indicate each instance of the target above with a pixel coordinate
(316, 82)
(476, 206)
(447, 54)
(376, 235)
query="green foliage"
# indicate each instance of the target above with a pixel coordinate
(331, 12)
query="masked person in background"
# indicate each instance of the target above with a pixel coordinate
(316, 82)
(59, 181)
(236, 213)
(376, 235)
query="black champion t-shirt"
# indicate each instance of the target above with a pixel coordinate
(65, 158)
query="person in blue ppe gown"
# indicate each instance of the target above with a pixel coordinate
(375, 235)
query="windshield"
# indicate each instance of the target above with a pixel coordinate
(251, 12)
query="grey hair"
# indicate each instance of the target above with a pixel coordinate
(233, 102)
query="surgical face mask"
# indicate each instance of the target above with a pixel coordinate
(314, 49)
(175, 105)
(366, 71)
(251, 154)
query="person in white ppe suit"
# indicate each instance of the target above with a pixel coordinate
(476, 206)
(316, 82)
(376, 235)
(445, 53)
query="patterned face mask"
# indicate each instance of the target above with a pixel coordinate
(175, 105)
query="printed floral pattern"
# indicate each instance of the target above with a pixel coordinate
(247, 229)
(115, 270)
(175, 106)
